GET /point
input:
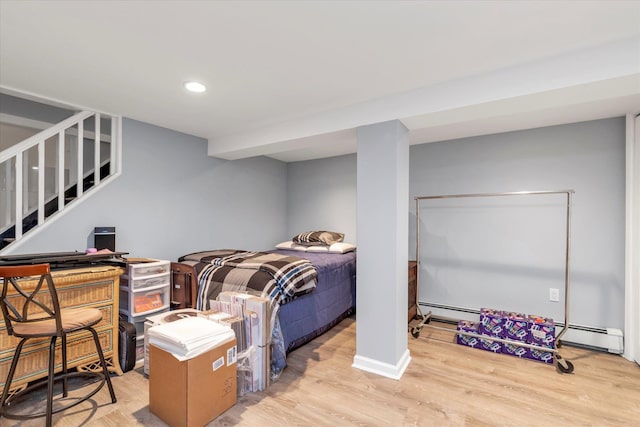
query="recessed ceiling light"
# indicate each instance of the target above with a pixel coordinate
(195, 87)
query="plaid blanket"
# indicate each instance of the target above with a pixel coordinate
(274, 276)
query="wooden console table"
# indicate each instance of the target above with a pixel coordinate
(95, 286)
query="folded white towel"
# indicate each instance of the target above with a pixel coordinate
(189, 337)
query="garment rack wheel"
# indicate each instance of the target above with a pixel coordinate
(425, 320)
(564, 366)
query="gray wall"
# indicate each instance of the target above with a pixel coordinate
(505, 253)
(508, 252)
(172, 199)
(321, 195)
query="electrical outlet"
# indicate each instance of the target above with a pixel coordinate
(554, 294)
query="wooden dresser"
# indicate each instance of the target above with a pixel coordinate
(95, 286)
(413, 290)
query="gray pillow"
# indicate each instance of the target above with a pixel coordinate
(315, 238)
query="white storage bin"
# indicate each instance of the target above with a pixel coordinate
(146, 268)
(137, 303)
(139, 325)
(145, 282)
(139, 348)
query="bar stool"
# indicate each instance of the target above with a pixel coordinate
(35, 313)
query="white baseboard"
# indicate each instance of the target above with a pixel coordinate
(609, 339)
(382, 368)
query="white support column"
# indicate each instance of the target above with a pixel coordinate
(632, 240)
(383, 232)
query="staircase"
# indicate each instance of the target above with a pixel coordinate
(53, 170)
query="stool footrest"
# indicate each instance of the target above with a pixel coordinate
(5, 411)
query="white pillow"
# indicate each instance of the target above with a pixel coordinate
(336, 248)
(291, 246)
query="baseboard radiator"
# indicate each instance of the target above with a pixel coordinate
(603, 339)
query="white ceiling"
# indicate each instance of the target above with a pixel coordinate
(293, 79)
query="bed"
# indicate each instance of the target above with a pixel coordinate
(317, 306)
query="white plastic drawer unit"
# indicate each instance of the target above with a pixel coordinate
(145, 289)
(139, 348)
(138, 322)
(147, 301)
(148, 268)
(145, 282)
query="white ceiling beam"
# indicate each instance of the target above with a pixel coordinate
(564, 80)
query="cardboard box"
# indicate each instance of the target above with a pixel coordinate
(192, 392)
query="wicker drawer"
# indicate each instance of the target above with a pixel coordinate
(99, 293)
(77, 295)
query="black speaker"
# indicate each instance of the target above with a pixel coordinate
(105, 238)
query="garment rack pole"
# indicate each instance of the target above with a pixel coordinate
(561, 364)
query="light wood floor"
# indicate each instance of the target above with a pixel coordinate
(445, 384)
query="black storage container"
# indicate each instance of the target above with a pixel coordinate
(127, 345)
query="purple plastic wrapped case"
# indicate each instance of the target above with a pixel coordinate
(469, 341)
(516, 326)
(540, 355)
(490, 345)
(542, 331)
(515, 350)
(491, 322)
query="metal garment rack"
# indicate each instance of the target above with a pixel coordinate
(563, 365)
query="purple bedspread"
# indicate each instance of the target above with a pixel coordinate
(334, 298)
